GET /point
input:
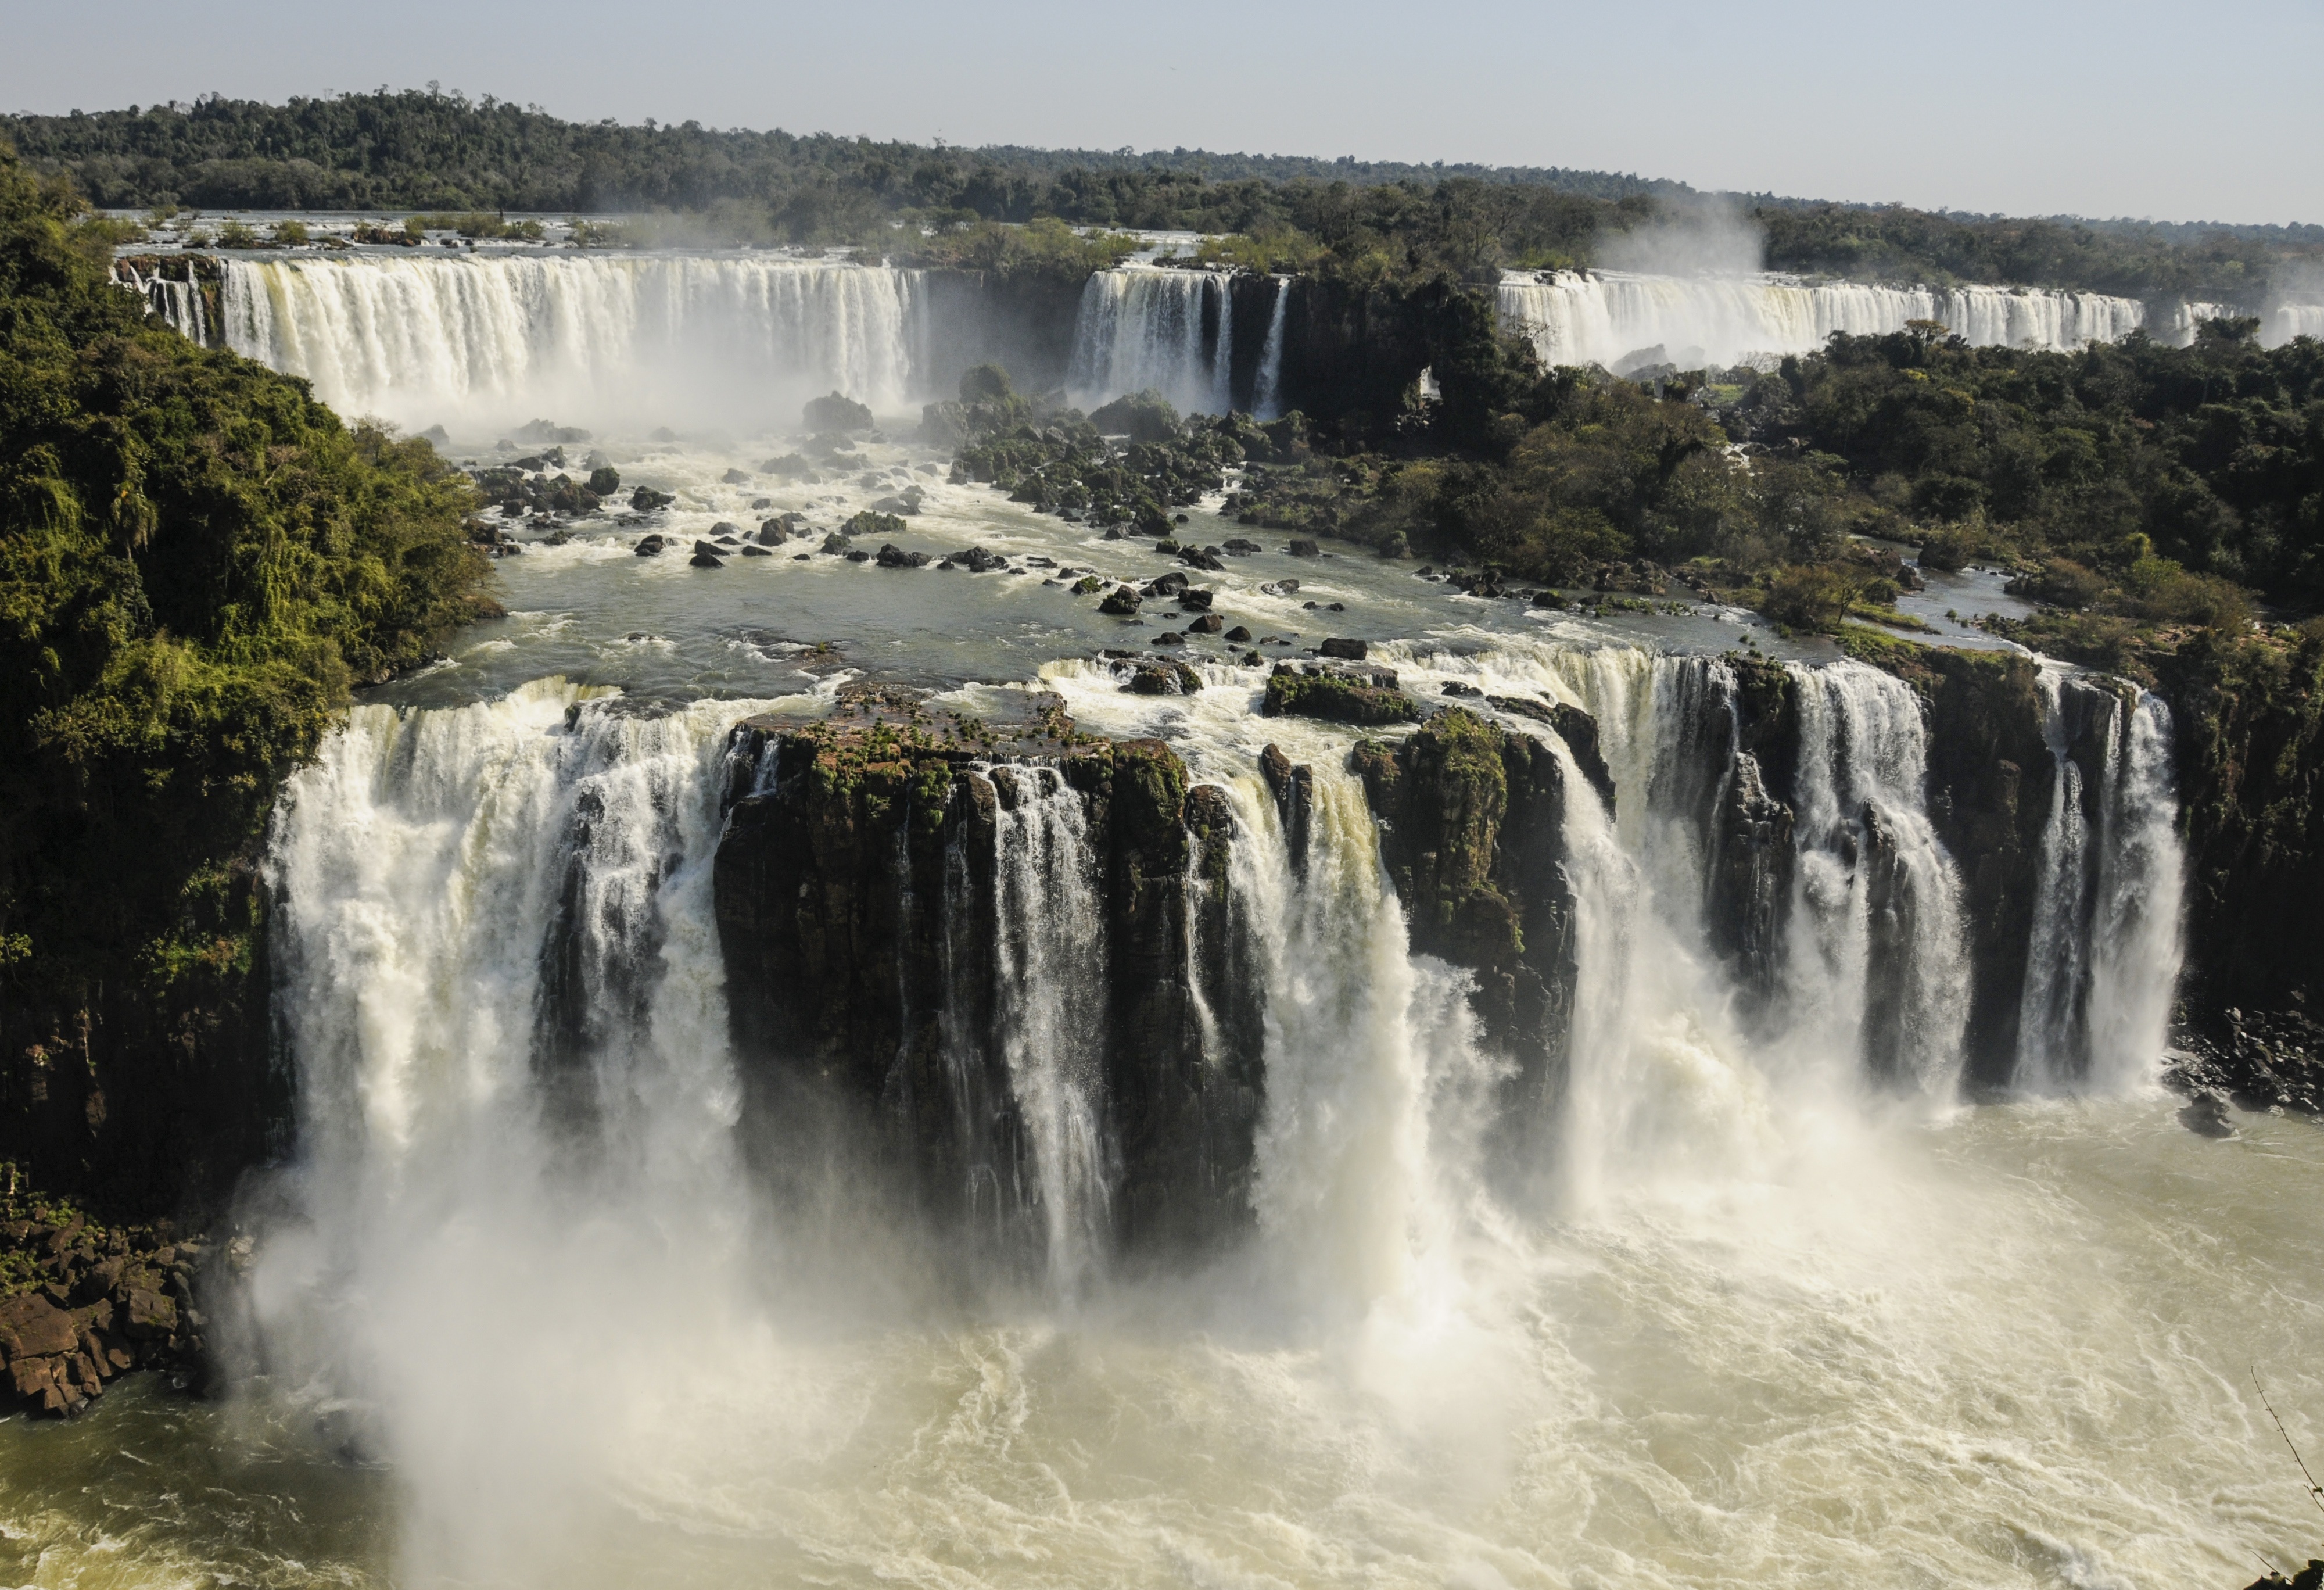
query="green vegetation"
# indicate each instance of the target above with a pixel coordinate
(196, 561)
(1365, 222)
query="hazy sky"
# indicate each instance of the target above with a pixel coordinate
(2127, 108)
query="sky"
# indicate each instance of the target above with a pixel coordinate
(2131, 108)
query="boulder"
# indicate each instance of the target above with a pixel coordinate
(895, 557)
(1337, 695)
(704, 558)
(1209, 623)
(1121, 602)
(1196, 601)
(645, 500)
(835, 543)
(749, 551)
(148, 1315)
(836, 411)
(1239, 635)
(32, 1326)
(1349, 651)
(1279, 587)
(735, 477)
(649, 546)
(1304, 549)
(605, 481)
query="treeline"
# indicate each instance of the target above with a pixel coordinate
(2133, 486)
(415, 149)
(198, 561)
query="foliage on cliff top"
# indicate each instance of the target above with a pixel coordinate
(197, 559)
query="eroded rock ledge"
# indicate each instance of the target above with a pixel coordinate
(856, 903)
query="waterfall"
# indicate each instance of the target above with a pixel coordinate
(1267, 395)
(2102, 967)
(488, 914)
(1142, 326)
(2135, 962)
(178, 304)
(2285, 321)
(1047, 933)
(1606, 317)
(493, 340)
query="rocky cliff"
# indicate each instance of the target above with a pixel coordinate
(870, 942)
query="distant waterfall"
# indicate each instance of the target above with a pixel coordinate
(2102, 967)
(2287, 320)
(1607, 316)
(1142, 326)
(496, 340)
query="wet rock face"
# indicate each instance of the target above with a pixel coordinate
(1990, 785)
(859, 908)
(2259, 1059)
(1473, 832)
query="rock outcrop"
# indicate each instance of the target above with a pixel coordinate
(1472, 830)
(859, 911)
(88, 1304)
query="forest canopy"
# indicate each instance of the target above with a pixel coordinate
(196, 562)
(428, 150)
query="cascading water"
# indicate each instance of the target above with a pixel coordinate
(486, 914)
(1267, 394)
(496, 340)
(2285, 321)
(1049, 960)
(1142, 326)
(2102, 961)
(1876, 894)
(177, 303)
(575, 1334)
(1607, 316)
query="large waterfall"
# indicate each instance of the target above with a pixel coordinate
(493, 340)
(1172, 330)
(537, 1257)
(1608, 316)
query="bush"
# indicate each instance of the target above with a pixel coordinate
(1809, 598)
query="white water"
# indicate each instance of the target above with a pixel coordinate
(2285, 321)
(2103, 963)
(487, 341)
(1142, 326)
(1606, 316)
(1267, 394)
(177, 304)
(1049, 935)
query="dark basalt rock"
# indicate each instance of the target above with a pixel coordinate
(835, 411)
(1350, 650)
(853, 886)
(645, 500)
(105, 1301)
(1239, 635)
(894, 557)
(651, 546)
(1338, 696)
(2260, 1059)
(1209, 623)
(704, 560)
(1473, 831)
(1121, 602)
